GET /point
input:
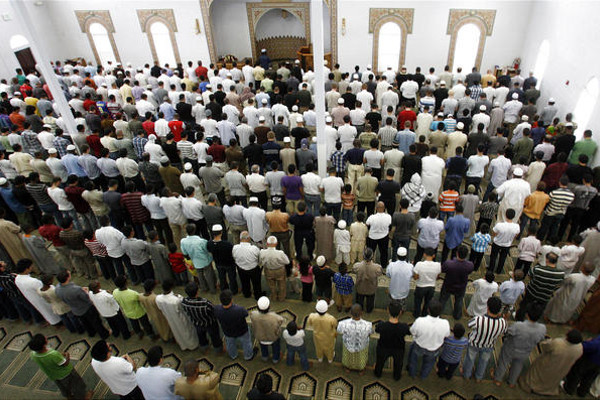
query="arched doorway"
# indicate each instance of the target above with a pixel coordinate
(20, 46)
(281, 33)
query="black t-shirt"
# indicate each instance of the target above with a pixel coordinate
(404, 224)
(323, 276)
(457, 166)
(374, 119)
(232, 320)
(302, 223)
(299, 133)
(388, 189)
(391, 336)
(221, 252)
(253, 154)
(170, 150)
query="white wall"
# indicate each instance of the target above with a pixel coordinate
(428, 44)
(228, 17)
(272, 24)
(65, 39)
(572, 34)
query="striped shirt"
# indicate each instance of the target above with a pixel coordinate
(200, 311)
(485, 330)
(96, 248)
(133, 204)
(544, 281)
(337, 160)
(39, 192)
(453, 349)
(186, 149)
(480, 242)
(488, 210)
(559, 201)
(448, 200)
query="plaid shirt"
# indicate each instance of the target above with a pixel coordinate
(138, 145)
(31, 143)
(480, 242)
(343, 283)
(337, 159)
(60, 144)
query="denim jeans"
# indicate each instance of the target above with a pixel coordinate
(313, 203)
(301, 350)
(484, 354)
(245, 341)
(276, 346)
(347, 215)
(428, 357)
(444, 215)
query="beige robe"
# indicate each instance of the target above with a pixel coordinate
(156, 316)
(10, 239)
(324, 334)
(546, 372)
(324, 227)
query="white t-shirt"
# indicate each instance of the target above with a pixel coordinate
(477, 165)
(157, 382)
(256, 183)
(311, 183)
(429, 332)
(428, 272)
(332, 186)
(373, 158)
(505, 233)
(296, 340)
(117, 373)
(379, 225)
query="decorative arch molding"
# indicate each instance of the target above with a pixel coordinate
(257, 10)
(87, 17)
(149, 16)
(379, 17)
(457, 18)
(333, 20)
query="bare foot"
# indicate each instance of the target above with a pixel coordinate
(497, 383)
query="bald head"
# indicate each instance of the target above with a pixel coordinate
(380, 206)
(245, 236)
(588, 268)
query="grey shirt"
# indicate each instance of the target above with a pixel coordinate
(136, 250)
(235, 180)
(89, 164)
(211, 176)
(273, 179)
(75, 298)
(522, 337)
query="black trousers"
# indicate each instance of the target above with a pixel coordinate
(445, 369)
(135, 394)
(524, 265)
(581, 376)
(423, 296)
(92, 323)
(383, 354)
(501, 253)
(251, 282)
(368, 298)
(527, 300)
(420, 251)
(475, 257)
(119, 326)
(262, 199)
(383, 245)
(368, 207)
(447, 250)
(213, 332)
(573, 216)
(483, 221)
(302, 237)
(390, 206)
(165, 235)
(201, 228)
(145, 322)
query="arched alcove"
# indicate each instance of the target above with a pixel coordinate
(18, 42)
(467, 47)
(280, 32)
(20, 46)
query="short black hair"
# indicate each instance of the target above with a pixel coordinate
(395, 308)
(191, 289)
(494, 305)
(264, 383)
(100, 351)
(37, 342)
(226, 297)
(155, 354)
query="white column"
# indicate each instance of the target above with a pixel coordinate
(316, 30)
(43, 63)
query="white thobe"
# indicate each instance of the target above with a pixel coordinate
(423, 123)
(513, 193)
(366, 98)
(567, 298)
(393, 159)
(182, 328)
(257, 223)
(431, 173)
(29, 287)
(190, 179)
(331, 136)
